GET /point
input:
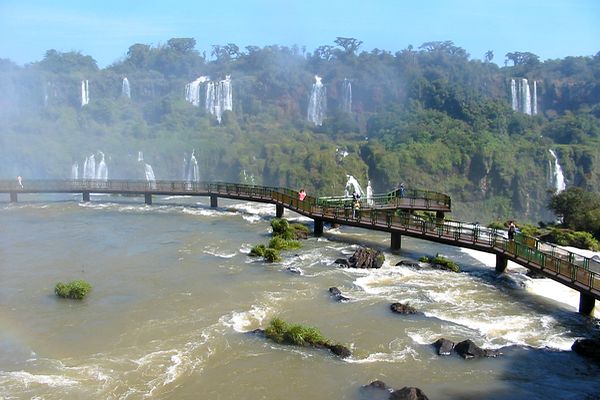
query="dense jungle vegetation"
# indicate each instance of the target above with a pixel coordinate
(431, 117)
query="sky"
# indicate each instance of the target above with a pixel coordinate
(105, 29)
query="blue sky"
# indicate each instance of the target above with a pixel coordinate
(104, 29)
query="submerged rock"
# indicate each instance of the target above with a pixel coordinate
(295, 270)
(408, 393)
(342, 261)
(443, 346)
(376, 390)
(408, 263)
(337, 294)
(587, 348)
(403, 308)
(340, 350)
(468, 349)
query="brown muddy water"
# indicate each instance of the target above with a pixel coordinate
(174, 293)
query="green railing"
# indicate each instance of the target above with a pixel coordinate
(412, 198)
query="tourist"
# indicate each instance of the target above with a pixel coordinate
(20, 181)
(301, 195)
(511, 230)
(355, 208)
(402, 190)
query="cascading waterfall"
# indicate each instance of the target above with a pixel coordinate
(559, 178)
(149, 173)
(89, 168)
(125, 89)
(101, 169)
(190, 169)
(522, 98)
(347, 96)
(352, 186)
(75, 171)
(219, 97)
(317, 104)
(85, 93)
(192, 90)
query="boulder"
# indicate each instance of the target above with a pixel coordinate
(295, 270)
(468, 349)
(408, 393)
(379, 385)
(587, 348)
(403, 308)
(443, 346)
(366, 258)
(337, 294)
(257, 332)
(408, 263)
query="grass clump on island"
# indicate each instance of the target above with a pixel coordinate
(76, 289)
(282, 332)
(442, 262)
(284, 238)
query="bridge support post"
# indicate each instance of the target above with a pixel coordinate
(396, 241)
(148, 198)
(318, 227)
(278, 210)
(13, 197)
(86, 196)
(439, 215)
(214, 201)
(501, 263)
(586, 303)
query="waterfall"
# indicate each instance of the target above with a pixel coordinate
(89, 168)
(190, 169)
(523, 98)
(149, 173)
(534, 110)
(347, 96)
(317, 104)
(513, 95)
(125, 89)
(559, 178)
(140, 156)
(219, 97)
(85, 93)
(101, 169)
(353, 186)
(369, 194)
(75, 171)
(192, 90)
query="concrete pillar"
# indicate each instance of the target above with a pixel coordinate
(148, 198)
(501, 263)
(439, 215)
(278, 210)
(86, 196)
(396, 241)
(13, 197)
(586, 303)
(318, 227)
(214, 201)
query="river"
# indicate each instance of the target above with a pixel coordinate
(174, 293)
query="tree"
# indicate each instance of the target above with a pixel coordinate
(573, 205)
(182, 45)
(350, 45)
(489, 56)
(519, 58)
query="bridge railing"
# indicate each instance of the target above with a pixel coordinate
(394, 199)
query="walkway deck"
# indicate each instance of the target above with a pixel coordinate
(387, 212)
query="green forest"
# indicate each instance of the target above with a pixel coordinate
(431, 117)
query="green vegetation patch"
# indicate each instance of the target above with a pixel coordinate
(441, 262)
(258, 250)
(272, 255)
(76, 289)
(282, 332)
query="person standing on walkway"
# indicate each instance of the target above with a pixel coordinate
(301, 195)
(511, 230)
